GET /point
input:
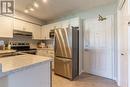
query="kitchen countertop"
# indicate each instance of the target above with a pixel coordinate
(6, 51)
(16, 63)
(45, 49)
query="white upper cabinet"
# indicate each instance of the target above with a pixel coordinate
(28, 26)
(37, 31)
(22, 25)
(57, 25)
(43, 35)
(18, 25)
(65, 24)
(51, 26)
(74, 22)
(62, 24)
(46, 31)
(6, 25)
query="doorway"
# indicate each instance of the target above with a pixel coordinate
(99, 47)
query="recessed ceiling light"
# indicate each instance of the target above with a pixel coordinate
(45, 1)
(36, 5)
(31, 9)
(26, 11)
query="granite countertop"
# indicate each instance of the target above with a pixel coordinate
(45, 49)
(20, 62)
(6, 51)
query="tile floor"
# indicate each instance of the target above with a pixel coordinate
(85, 80)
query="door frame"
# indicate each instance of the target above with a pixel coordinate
(114, 67)
(122, 13)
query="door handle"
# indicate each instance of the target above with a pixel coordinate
(122, 54)
(64, 60)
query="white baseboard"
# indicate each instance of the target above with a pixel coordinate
(81, 72)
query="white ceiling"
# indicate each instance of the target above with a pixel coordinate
(56, 8)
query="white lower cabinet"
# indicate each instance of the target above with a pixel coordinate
(42, 53)
(6, 27)
(46, 53)
(34, 76)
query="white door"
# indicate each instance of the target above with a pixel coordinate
(123, 58)
(123, 45)
(99, 47)
(129, 54)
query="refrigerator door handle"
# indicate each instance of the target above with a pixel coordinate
(64, 60)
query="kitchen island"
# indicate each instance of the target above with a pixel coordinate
(25, 71)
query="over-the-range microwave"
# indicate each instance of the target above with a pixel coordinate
(52, 33)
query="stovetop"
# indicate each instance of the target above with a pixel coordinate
(21, 46)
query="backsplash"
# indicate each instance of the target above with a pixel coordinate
(49, 43)
(17, 38)
(33, 43)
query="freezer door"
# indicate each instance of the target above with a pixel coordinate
(63, 43)
(63, 67)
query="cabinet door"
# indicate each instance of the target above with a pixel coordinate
(58, 25)
(28, 27)
(36, 31)
(49, 27)
(18, 24)
(22, 25)
(48, 33)
(6, 27)
(45, 31)
(51, 54)
(65, 24)
(43, 35)
(74, 22)
(42, 53)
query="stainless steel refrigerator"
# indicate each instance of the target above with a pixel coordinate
(66, 61)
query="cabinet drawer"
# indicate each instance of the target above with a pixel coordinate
(42, 53)
(51, 52)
